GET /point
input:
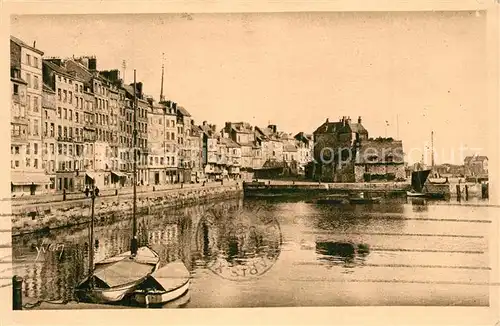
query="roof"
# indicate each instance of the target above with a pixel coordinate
(21, 43)
(476, 158)
(229, 142)
(183, 111)
(47, 88)
(62, 70)
(338, 126)
(379, 151)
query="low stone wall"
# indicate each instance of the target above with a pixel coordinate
(31, 218)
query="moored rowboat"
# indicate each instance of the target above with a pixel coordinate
(118, 276)
(166, 284)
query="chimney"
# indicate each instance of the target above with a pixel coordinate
(174, 105)
(359, 119)
(139, 89)
(92, 63)
(169, 103)
(204, 123)
(34, 44)
(327, 120)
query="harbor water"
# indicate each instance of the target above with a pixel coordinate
(286, 253)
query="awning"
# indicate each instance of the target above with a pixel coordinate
(26, 179)
(119, 174)
(90, 175)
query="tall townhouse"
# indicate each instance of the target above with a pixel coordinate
(49, 143)
(28, 176)
(121, 135)
(141, 115)
(183, 122)
(210, 151)
(156, 133)
(89, 135)
(170, 146)
(272, 146)
(194, 148)
(242, 133)
(69, 115)
(83, 68)
(304, 148)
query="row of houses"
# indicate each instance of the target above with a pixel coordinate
(72, 125)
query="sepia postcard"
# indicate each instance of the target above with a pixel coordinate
(332, 163)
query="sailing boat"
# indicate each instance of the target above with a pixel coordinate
(114, 278)
(418, 179)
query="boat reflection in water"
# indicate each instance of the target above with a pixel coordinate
(346, 254)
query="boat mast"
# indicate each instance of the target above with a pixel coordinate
(91, 245)
(432, 150)
(133, 243)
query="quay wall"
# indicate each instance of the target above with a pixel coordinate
(268, 187)
(31, 218)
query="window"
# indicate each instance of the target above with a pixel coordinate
(81, 88)
(35, 62)
(65, 113)
(59, 149)
(70, 114)
(70, 149)
(35, 163)
(51, 130)
(59, 115)
(70, 132)
(28, 162)
(59, 131)
(65, 99)
(65, 149)
(45, 129)
(16, 89)
(28, 102)
(28, 59)
(28, 80)
(35, 127)
(81, 102)
(35, 148)
(51, 148)
(70, 97)
(35, 104)
(76, 116)
(65, 132)
(35, 82)
(59, 91)
(76, 88)
(28, 149)
(16, 149)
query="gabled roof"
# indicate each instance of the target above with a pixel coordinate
(48, 89)
(229, 142)
(183, 111)
(338, 126)
(24, 45)
(481, 158)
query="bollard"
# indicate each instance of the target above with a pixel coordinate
(466, 192)
(458, 193)
(17, 298)
(64, 194)
(153, 188)
(116, 192)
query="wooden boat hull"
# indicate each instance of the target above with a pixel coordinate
(415, 194)
(115, 294)
(168, 283)
(118, 276)
(364, 200)
(151, 298)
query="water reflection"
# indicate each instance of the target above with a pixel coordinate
(346, 254)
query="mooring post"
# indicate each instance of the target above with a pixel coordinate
(466, 192)
(458, 193)
(64, 194)
(484, 190)
(17, 286)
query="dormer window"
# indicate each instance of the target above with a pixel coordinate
(389, 158)
(372, 158)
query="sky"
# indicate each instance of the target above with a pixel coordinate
(405, 73)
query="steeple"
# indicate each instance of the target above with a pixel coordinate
(162, 71)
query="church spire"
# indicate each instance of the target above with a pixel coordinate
(162, 71)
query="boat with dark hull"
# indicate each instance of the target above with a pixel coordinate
(418, 180)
